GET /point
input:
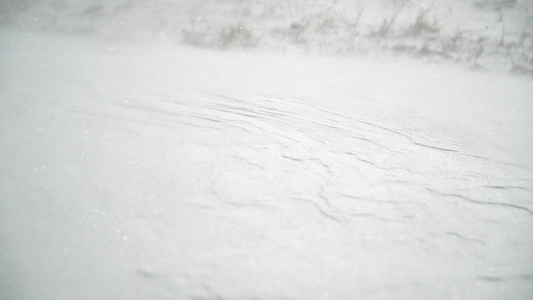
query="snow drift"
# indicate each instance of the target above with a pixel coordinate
(148, 170)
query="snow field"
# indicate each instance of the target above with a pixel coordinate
(153, 171)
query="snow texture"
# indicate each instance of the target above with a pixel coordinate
(136, 170)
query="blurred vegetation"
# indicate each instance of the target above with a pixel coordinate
(402, 27)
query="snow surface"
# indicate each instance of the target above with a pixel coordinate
(156, 171)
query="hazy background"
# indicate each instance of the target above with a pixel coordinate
(492, 34)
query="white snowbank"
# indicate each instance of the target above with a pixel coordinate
(159, 172)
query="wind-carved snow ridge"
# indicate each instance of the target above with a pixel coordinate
(277, 154)
(333, 161)
(292, 150)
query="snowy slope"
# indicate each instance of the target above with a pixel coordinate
(135, 168)
(135, 171)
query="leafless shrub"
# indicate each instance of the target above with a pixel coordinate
(476, 52)
(387, 24)
(236, 35)
(451, 42)
(522, 37)
(522, 64)
(423, 24)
